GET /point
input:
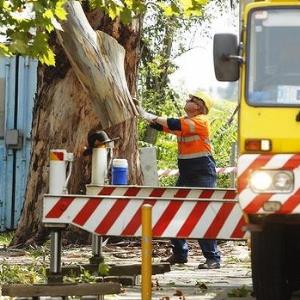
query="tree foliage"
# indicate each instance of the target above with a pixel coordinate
(167, 34)
(165, 38)
(25, 25)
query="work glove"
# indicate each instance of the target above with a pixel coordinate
(146, 115)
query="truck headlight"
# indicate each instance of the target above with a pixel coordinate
(272, 181)
(260, 181)
(283, 180)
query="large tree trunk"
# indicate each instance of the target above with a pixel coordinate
(63, 116)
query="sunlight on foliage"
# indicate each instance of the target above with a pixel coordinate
(27, 274)
(103, 269)
(164, 39)
(26, 25)
(6, 238)
(224, 136)
(84, 277)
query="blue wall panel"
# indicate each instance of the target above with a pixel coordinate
(2, 189)
(26, 92)
(19, 75)
(8, 74)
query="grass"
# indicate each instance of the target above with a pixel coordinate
(6, 238)
(239, 292)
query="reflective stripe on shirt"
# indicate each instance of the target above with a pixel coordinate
(193, 155)
(187, 139)
(192, 138)
(191, 125)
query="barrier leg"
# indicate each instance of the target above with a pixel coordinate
(57, 185)
(146, 252)
(97, 257)
(99, 173)
(55, 274)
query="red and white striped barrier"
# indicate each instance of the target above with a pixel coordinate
(176, 212)
(251, 202)
(174, 172)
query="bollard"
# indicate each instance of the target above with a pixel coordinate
(146, 252)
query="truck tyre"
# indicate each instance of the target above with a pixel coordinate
(269, 263)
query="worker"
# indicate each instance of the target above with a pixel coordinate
(195, 163)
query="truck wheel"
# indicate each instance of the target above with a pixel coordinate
(269, 264)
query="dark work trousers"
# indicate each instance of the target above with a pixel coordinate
(197, 172)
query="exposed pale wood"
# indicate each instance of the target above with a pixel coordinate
(80, 289)
(98, 61)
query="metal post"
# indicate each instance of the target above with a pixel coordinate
(96, 250)
(55, 255)
(57, 185)
(99, 174)
(55, 275)
(101, 146)
(146, 251)
(233, 163)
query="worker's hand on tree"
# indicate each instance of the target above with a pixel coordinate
(146, 115)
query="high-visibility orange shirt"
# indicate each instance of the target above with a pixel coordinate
(193, 138)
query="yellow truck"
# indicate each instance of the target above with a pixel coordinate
(265, 60)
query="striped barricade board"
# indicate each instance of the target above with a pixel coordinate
(176, 212)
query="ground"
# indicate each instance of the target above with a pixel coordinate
(185, 282)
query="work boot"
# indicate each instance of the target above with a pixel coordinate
(175, 259)
(210, 264)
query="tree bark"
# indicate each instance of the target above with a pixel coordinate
(63, 115)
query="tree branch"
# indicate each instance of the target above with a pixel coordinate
(98, 62)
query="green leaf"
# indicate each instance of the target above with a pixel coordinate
(60, 11)
(48, 14)
(4, 50)
(18, 46)
(97, 3)
(103, 269)
(5, 4)
(126, 16)
(202, 2)
(48, 58)
(114, 11)
(186, 4)
(49, 27)
(129, 3)
(169, 10)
